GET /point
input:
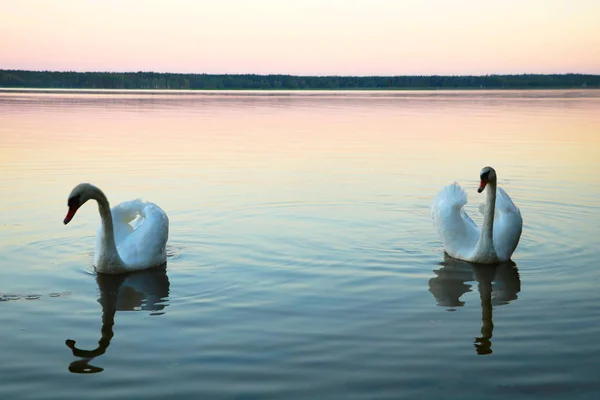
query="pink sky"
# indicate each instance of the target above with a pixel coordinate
(309, 37)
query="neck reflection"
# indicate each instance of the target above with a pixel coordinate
(146, 290)
(498, 284)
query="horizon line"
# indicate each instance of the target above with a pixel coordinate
(292, 75)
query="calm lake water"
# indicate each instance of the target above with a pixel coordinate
(303, 262)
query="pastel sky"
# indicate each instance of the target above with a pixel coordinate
(309, 37)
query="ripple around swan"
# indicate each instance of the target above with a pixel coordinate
(13, 297)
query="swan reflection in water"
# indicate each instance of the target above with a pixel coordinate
(498, 284)
(145, 290)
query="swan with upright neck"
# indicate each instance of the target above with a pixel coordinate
(132, 235)
(462, 238)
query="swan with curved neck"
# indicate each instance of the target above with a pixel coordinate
(132, 235)
(501, 229)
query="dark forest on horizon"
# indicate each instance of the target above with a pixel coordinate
(156, 80)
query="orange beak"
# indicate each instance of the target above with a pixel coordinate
(70, 214)
(482, 185)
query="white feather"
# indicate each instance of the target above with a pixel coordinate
(141, 231)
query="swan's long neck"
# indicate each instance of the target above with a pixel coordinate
(487, 229)
(485, 246)
(109, 258)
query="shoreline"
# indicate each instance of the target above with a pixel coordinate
(282, 91)
(147, 81)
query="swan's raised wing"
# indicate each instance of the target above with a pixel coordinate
(122, 215)
(146, 245)
(127, 211)
(457, 230)
(508, 225)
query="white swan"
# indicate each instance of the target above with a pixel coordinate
(462, 238)
(120, 246)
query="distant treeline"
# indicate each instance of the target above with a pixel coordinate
(154, 80)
